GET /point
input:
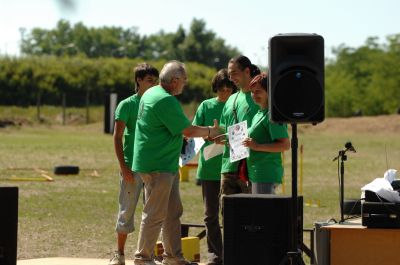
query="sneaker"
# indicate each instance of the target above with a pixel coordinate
(118, 259)
(177, 261)
(147, 262)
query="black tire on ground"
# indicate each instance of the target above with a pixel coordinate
(66, 170)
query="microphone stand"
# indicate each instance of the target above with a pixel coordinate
(343, 157)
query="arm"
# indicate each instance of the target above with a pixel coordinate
(126, 172)
(280, 145)
(202, 131)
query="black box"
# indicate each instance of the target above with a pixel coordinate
(257, 228)
(8, 225)
(380, 214)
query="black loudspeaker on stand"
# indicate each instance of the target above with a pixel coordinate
(296, 78)
(296, 95)
(8, 225)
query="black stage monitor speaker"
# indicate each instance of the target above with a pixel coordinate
(8, 225)
(257, 228)
(296, 78)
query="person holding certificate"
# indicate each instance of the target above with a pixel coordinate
(266, 141)
(239, 107)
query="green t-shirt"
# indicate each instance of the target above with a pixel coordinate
(265, 166)
(126, 112)
(208, 110)
(245, 108)
(158, 139)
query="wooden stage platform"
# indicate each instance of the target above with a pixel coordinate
(69, 261)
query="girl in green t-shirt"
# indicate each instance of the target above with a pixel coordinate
(209, 170)
(266, 141)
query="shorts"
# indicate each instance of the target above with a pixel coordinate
(128, 198)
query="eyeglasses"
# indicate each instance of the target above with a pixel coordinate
(184, 78)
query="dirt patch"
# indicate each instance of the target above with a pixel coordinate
(375, 124)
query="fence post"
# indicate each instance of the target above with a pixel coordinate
(110, 105)
(64, 106)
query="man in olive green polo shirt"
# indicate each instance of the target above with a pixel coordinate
(158, 141)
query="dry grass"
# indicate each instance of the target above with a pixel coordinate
(75, 215)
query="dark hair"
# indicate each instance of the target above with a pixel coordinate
(142, 70)
(261, 79)
(243, 62)
(221, 79)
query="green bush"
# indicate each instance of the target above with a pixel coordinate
(43, 80)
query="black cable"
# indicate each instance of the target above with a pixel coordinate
(338, 173)
(352, 209)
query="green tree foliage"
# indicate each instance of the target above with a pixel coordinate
(364, 80)
(37, 80)
(197, 45)
(81, 62)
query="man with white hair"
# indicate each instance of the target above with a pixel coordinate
(158, 142)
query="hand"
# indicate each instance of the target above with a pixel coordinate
(215, 131)
(250, 143)
(220, 139)
(127, 174)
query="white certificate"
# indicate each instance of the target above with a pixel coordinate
(237, 133)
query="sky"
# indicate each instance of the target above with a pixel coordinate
(245, 24)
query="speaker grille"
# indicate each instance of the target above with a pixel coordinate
(292, 87)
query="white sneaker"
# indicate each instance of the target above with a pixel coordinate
(118, 259)
(149, 262)
(176, 261)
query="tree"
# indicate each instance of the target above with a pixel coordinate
(198, 45)
(202, 46)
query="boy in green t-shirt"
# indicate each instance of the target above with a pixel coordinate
(145, 76)
(239, 107)
(209, 170)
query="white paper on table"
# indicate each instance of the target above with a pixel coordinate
(383, 187)
(212, 150)
(192, 147)
(237, 133)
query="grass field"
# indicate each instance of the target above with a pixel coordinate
(74, 216)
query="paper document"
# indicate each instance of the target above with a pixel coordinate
(212, 150)
(192, 147)
(198, 143)
(237, 133)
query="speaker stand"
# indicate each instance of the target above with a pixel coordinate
(293, 257)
